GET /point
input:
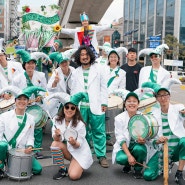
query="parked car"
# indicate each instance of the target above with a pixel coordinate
(178, 75)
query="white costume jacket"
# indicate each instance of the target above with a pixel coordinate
(14, 69)
(9, 126)
(122, 134)
(83, 153)
(62, 86)
(119, 81)
(77, 35)
(97, 87)
(144, 75)
(175, 120)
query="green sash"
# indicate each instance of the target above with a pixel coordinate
(112, 78)
(12, 142)
(29, 82)
(152, 76)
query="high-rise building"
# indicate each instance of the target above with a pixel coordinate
(149, 19)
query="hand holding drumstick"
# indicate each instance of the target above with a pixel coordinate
(56, 80)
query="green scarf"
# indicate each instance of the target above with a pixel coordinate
(112, 78)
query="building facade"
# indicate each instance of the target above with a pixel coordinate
(146, 19)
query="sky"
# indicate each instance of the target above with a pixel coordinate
(115, 11)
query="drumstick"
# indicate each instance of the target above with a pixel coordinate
(142, 165)
(20, 150)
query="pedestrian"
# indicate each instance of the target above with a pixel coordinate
(154, 73)
(171, 130)
(17, 128)
(76, 150)
(132, 69)
(89, 77)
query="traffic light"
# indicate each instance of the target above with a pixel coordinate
(116, 43)
(137, 42)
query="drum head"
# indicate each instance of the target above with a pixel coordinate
(18, 152)
(115, 101)
(70, 132)
(138, 127)
(36, 112)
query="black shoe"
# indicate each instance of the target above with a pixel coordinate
(61, 174)
(137, 174)
(1, 174)
(39, 155)
(126, 169)
(179, 178)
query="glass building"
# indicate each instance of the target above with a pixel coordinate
(144, 19)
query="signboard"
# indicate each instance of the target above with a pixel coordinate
(154, 41)
(168, 62)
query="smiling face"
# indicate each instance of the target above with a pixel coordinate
(84, 57)
(132, 104)
(113, 60)
(163, 97)
(21, 102)
(85, 23)
(69, 111)
(30, 66)
(155, 59)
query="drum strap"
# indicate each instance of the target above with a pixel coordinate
(12, 142)
(112, 78)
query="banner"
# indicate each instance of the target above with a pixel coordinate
(40, 18)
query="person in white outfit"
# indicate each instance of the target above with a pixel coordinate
(76, 150)
(155, 73)
(86, 35)
(31, 77)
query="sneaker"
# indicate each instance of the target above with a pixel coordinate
(61, 174)
(137, 174)
(126, 169)
(179, 178)
(1, 174)
(103, 162)
(38, 155)
(109, 143)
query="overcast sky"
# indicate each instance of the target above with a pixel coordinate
(115, 10)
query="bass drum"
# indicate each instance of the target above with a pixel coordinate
(115, 107)
(145, 126)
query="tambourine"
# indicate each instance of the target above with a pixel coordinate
(70, 132)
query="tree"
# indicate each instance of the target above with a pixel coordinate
(176, 50)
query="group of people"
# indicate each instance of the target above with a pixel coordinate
(78, 100)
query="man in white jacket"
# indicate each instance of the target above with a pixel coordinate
(86, 35)
(90, 78)
(171, 130)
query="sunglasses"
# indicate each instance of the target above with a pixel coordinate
(70, 107)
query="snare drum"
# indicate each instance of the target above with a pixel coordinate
(6, 105)
(145, 126)
(19, 165)
(145, 106)
(115, 107)
(40, 115)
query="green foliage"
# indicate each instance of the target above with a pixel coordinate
(176, 50)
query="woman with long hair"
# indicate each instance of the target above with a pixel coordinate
(74, 149)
